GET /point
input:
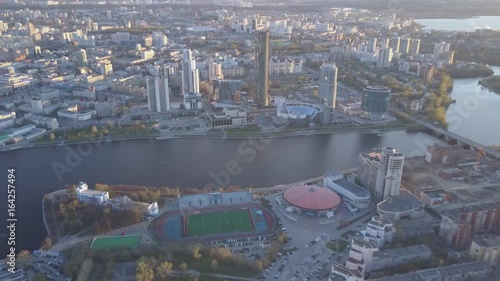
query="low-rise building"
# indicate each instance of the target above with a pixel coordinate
(456, 272)
(73, 113)
(486, 249)
(398, 256)
(86, 195)
(348, 190)
(342, 273)
(229, 117)
(434, 197)
(400, 206)
(49, 123)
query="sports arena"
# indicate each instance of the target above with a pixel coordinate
(297, 110)
(214, 216)
(311, 200)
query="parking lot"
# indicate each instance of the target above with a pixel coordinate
(311, 259)
(49, 265)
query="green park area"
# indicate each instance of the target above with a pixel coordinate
(116, 242)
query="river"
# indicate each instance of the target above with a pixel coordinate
(465, 24)
(475, 114)
(182, 163)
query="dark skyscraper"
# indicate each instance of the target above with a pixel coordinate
(262, 68)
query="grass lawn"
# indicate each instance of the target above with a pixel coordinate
(338, 246)
(116, 242)
(203, 224)
(346, 235)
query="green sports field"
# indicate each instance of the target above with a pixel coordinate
(116, 242)
(203, 224)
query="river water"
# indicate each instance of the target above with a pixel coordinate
(182, 163)
(465, 24)
(476, 112)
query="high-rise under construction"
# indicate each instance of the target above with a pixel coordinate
(262, 68)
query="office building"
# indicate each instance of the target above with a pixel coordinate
(81, 58)
(441, 48)
(215, 71)
(262, 69)
(395, 43)
(226, 89)
(158, 93)
(328, 84)
(415, 46)
(190, 74)
(379, 231)
(86, 195)
(106, 68)
(385, 58)
(193, 101)
(228, 117)
(486, 249)
(361, 255)
(380, 171)
(405, 44)
(375, 102)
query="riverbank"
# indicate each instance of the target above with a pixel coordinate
(230, 133)
(491, 83)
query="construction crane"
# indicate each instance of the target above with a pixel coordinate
(480, 152)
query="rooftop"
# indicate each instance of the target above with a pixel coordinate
(357, 241)
(403, 252)
(311, 197)
(439, 272)
(404, 202)
(488, 242)
(350, 186)
(434, 193)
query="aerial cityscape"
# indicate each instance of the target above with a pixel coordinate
(228, 140)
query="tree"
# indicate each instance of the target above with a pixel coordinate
(183, 266)
(163, 270)
(46, 244)
(214, 264)
(52, 136)
(195, 250)
(23, 258)
(85, 270)
(94, 129)
(144, 272)
(41, 277)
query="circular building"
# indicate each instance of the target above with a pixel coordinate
(297, 110)
(311, 200)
